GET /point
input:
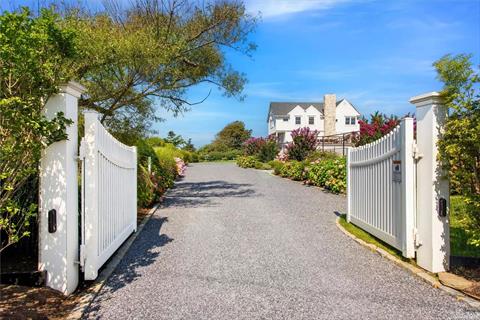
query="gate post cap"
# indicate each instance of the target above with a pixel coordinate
(73, 88)
(428, 98)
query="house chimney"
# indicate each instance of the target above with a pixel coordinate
(329, 113)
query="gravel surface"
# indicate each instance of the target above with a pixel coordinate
(233, 243)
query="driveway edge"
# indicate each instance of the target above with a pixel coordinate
(86, 298)
(419, 272)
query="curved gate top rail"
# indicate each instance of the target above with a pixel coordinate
(381, 188)
(109, 195)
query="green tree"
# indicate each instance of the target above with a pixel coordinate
(232, 136)
(175, 139)
(150, 54)
(189, 146)
(35, 55)
(460, 142)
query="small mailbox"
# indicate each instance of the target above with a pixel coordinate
(442, 207)
(52, 221)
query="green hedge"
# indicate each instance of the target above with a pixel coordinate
(329, 172)
(219, 155)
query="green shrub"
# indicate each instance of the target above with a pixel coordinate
(321, 155)
(219, 155)
(247, 162)
(268, 151)
(276, 166)
(330, 174)
(295, 170)
(195, 157)
(151, 186)
(145, 188)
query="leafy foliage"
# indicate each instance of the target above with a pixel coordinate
(34, 58)
(375, 128)
(247, 161)
(304, 142)
(459, 145)
(148, 54)
(227, 144)
(232, 136)
(265, 149)
(330, 174)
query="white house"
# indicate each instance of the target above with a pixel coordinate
(330, 117)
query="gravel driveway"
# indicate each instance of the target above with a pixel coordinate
(233, 243)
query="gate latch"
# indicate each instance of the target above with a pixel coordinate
(416, 154)
(81, 150)
(82, 256)
(416, 238)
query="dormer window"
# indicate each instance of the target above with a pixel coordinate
(311, 120)
(298, 120)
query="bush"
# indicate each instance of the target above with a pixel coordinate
(252, 146)
(378, 126)
(330, 174)
(459, 146)
(276, 166)
(294, 170)
(265, 149)
(304, 142)
(268, 151)
(321, 155)
(145, 188)
(247, 162)
(219, 155)
(195, 157)
(152, 186)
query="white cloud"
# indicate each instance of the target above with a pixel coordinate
(276, 8)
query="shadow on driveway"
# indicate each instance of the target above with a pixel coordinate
(203, 194)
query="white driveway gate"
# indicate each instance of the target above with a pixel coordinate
(397, 190)
(109, 195)
(381, 188)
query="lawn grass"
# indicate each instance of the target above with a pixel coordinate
(458, 237)
(368, 238)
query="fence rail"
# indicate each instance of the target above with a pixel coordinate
(381, 188)
(109, 194)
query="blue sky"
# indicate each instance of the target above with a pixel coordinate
(377, 54)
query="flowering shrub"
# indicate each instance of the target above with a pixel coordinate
(265, 149)
(281, 156)
(252, 146)
(375, 128)
(293, 170)
(246, 161)
(330, 174)
(304, 142)
(181, 166)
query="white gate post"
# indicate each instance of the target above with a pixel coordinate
(432, 186)
(408, 187)
(58, 240)
(349, 187)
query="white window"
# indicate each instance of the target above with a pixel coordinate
(350, 120)
(311, 120)
(285, 119)
(298, 120)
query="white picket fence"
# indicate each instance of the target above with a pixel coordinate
(381, 188)
(109, 195)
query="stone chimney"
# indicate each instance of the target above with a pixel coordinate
(329, 113)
